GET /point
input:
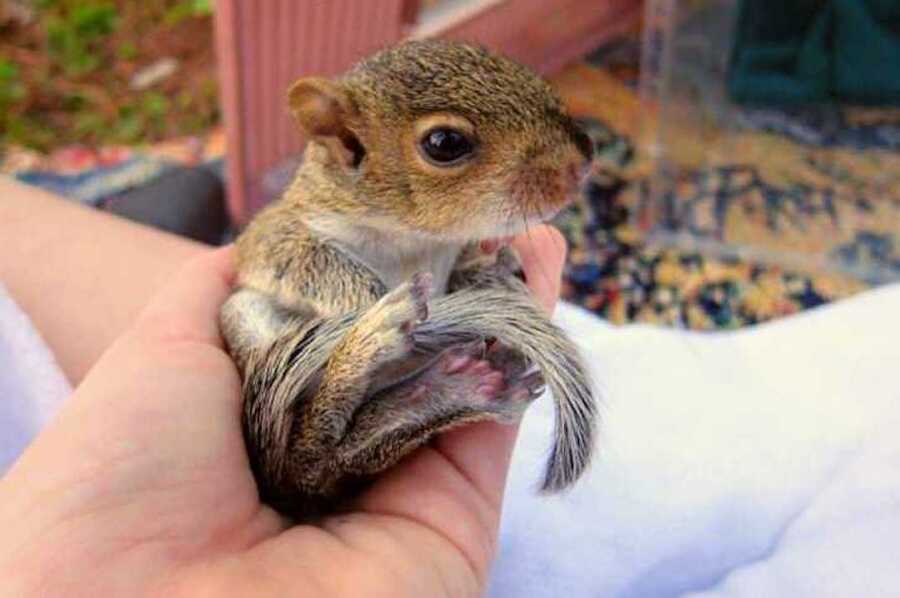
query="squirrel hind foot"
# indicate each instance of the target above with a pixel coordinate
(465, 383)
(495, 379)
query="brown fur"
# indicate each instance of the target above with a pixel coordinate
(349, 359)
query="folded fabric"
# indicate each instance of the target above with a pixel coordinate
(762, 462)
(805, 51)
(31, 384)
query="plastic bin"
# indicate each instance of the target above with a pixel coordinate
(792, 178)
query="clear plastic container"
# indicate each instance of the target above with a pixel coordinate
(811, 184)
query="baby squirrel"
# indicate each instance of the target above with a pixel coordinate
(368, 316)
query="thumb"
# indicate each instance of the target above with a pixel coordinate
(187, 308)
(543, 253)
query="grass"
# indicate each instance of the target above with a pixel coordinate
(65, 77)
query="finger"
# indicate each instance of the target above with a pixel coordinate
(543, 253)
(482, 452)
(188, 307)
(455, 488)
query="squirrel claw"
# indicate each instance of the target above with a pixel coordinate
(420, 290)
(396, 315)
(510, 362)
(533, 383)
(407, 305)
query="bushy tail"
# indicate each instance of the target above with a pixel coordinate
(515, 319)
(278, 378)
(278, 354)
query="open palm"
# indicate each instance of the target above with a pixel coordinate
(141, 484)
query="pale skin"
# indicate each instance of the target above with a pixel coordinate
(141, 485)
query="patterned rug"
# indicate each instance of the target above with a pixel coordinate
(796, 210)
(93, 175)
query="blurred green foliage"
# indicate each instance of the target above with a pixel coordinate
(188, 8)
(74, 30)
(11, 90)
(76, 87)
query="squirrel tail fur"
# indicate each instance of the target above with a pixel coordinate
(286, 365)
(521, 325)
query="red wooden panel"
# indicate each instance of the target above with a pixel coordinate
(263, 46)
(545, 35)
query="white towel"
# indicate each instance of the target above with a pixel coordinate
(759, 463)
(31, 384)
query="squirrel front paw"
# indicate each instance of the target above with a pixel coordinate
(389, 324)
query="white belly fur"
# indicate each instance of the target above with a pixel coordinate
(394, 257)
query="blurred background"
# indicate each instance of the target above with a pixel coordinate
(748, 152)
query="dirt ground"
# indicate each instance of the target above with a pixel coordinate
(67, 69)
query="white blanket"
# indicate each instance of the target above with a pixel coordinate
(31, 384)
(761, 463)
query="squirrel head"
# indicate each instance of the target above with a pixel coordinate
(439, 138)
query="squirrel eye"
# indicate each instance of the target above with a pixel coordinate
(444, 146)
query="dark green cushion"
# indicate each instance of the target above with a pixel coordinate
(866, 54)
(802, 51)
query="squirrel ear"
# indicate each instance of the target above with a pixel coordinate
(322, 109)
(319, 106)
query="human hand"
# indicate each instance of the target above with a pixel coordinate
(141, 484)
